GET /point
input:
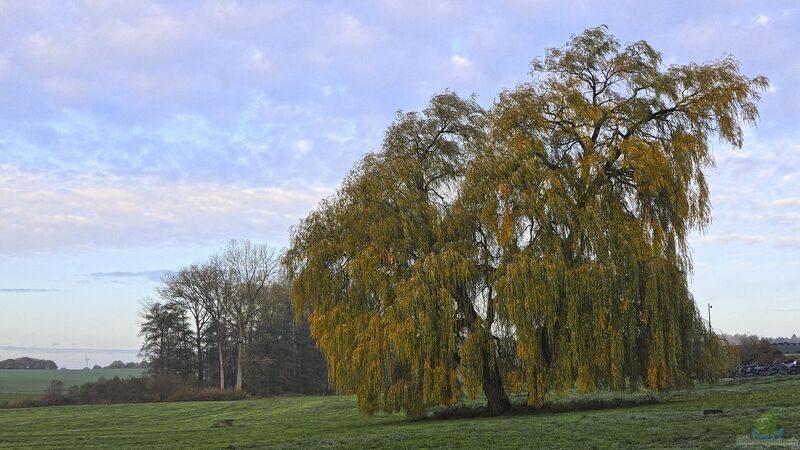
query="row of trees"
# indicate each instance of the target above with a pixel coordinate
(539, 245)
(752, 349)
(28, 363)
(230, 320)
(118, 364)
(793, 339)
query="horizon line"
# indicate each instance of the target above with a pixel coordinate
(69, 349)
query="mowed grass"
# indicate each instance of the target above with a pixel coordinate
(313, 422)
(24, 383)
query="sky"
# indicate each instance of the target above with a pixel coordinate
(138, 137)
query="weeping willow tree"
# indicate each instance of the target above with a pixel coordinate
(539, 246)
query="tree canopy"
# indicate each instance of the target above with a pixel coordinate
(539, 245)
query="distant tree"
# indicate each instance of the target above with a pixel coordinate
(215, 288)
(167, 345)
(186, 287)
(54, 392)
(249, 267)
(28, 363)
(282, 357)
(756, 350)
(540, 245)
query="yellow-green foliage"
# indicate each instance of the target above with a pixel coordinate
(541, 242)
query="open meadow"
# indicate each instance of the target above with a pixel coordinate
(676, 421)
(31, 383)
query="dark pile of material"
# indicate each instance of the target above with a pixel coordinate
(759, 370)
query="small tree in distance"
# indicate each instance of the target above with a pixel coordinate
(540, 245)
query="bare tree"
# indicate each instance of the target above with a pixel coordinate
(185, 287)
(215, 292)
(249, 269)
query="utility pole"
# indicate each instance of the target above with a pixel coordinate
(709, 317)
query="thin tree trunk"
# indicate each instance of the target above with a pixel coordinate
(240, 349)
(221, 362)
(199, 359)
(199, 342)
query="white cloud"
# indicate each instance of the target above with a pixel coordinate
(142, 35)
(328, 91)
(778, 241)
(259, 62)
(761, 20)
(42, 214)
(301, 147)
(349, 31)
(416, 12)
(463, 71)
(461, 62)
(783, 203)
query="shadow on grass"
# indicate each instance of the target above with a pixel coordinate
(550, 407)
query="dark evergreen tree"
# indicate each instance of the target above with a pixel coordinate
(167, 346)
(283, 358)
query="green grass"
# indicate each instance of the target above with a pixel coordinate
(313, 422)
(24, 383)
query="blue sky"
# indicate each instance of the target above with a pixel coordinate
(136, 137)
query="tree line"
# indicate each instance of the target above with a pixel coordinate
(754, 349)
(28, 363)
(228, 322)
(118, 364)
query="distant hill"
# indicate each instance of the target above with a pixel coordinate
(28, 363)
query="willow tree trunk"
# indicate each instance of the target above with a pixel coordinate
(496, 399)
(492, 381)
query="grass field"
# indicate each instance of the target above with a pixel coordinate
(313, 422)
(23, 383)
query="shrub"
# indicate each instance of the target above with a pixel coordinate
(128, 390)
(114, 390)
(23, 403)
(205, 394)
